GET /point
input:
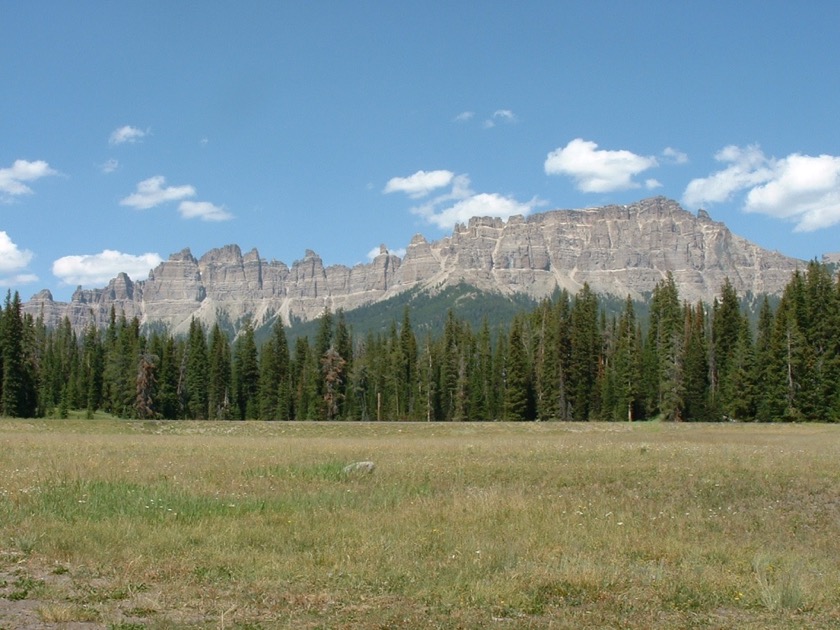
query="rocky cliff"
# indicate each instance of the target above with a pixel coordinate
(618, 250)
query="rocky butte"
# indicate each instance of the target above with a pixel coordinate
(619, 249)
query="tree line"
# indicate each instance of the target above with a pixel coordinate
(565, 359)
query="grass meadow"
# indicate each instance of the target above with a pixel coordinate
(124, 525)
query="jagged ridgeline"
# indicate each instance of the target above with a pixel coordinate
(617, 250)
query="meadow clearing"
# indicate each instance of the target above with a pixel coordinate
(123, 525)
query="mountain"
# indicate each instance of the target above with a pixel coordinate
(619, 250)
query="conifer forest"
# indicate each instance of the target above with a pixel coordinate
(565, 359)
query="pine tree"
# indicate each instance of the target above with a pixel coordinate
(194, 390)
(146, 387)
(93, 367)
(481, 376)
(343, 343)
(662, 355)
(219, 362)
(695, 385)
(121, 356)
(274, 375)
(407, 364)
(245, 377)
(768, 367)
(304, 381)
(726, 326)
(451, 368)
(546, 361)
(517, 375)
(19, 393)
(585, 345)
(745, 405)
(332, 369)
(819, 324)
(166, 399)
(626, 365)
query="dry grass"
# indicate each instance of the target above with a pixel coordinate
(253, 525)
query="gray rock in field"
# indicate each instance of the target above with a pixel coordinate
(359, 467)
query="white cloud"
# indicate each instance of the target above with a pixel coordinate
(151, 193)
(203, 210)
(478, 205)
(800, 188)
(747, 167)
(12, 179)
(13, 263)
(98, 269)
(420, 184)
(597, 170)
(650, 184)
(127, 134)
(458, 204)
(373, 253)
(675, 156)
(803, 188)
(464, 117)
(109, 166)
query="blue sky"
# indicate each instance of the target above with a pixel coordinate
(131, 130)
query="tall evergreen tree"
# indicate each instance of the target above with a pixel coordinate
(219, 364)
(744, 406)
(662, 355)
(93, 361)
(19, 395)
(274, 375)
(343, 343)
(407, 365)
(194, 391)
(726, 330)
(626, 365)
(517, 375)
(245, 377)
(304, 381)
(695, 384)
(121, 356)
(585, 346)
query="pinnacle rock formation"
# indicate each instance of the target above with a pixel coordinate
(619, 250)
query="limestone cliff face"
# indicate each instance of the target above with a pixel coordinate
(618, 250)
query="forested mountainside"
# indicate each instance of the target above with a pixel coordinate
(563, 359)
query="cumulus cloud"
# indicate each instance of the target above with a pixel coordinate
(651, 184)
(800, 188)
(803, 188)
(127, 134)
(98, 269)
(420, 184)
(203, 210)
(597, 170)
(12, 179)
(13, 263)
(747, 167)
(476, 205)
(151, 192)
(464, 116)
(460, 202)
